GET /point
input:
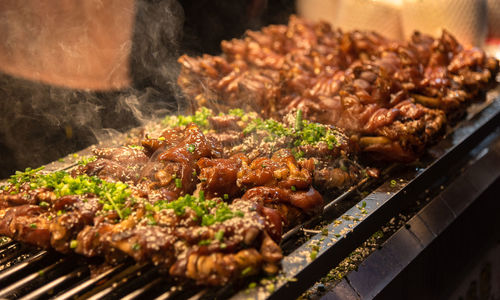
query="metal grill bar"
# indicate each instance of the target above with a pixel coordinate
(9, 254)
(87, 285)
(116, 282)
(180, 292)
(28, 282)
(18, 268)
(58, 283)
(6, 246)
(143, 291)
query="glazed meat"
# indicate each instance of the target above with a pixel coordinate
(116, 164)
(26, 223)
(209, 252)
(209, 196)
(370, 86)
(265, 152)
(206, 240)
(190, 199)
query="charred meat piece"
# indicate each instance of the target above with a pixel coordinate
(280, 170)
(235, 248)
(184, 154)
(63, 205)
(293, 207)
(76, 213)
(223, 242)
(25, 195)
(165, 168)
(116, 164)
(26, 223)
(218, 176)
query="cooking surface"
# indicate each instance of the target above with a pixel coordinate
(346, 230)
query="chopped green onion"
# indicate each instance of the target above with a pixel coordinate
(113, 195)
(314, 254)
(200, 118)
(178, 183)
(219, 235)
(208, 211)
(86, 160)
(270, 287)
(298, 120)
(205, 242)
(246, 271)
(43, 204)
(236, 112)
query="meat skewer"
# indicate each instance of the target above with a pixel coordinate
(209, 198)
(382, 92)
(195, 201)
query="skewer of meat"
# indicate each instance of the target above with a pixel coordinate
(382, 92)
(126, 202)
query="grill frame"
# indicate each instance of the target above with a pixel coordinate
(382, 203)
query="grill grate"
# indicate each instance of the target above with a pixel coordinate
(30, 273)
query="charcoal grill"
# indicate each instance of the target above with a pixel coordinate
(30, 273)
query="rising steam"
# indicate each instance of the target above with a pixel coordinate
(41, 122)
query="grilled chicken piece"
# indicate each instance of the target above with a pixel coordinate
(292, 207)
(26, 223)
(166, 167)
(25, 195)
(280, 170)
(265, 151)
(116, 164)
(218, 176)
(78, 212)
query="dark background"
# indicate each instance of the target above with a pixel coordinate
(40, 123)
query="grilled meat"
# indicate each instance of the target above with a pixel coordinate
(359, 81)
(209, 197)
(265, 152)
(191, 200)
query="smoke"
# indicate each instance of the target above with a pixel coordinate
(42, 122)
(156, 46)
